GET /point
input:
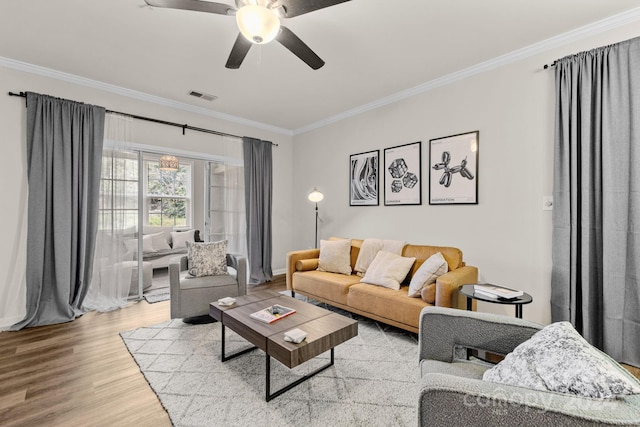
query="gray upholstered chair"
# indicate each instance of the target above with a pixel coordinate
(190, 297)
(453, 393)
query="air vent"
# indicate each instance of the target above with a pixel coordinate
(201, 95)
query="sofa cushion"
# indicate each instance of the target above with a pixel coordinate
(179, 239)
(453, 256)
(386, 303)
(328, 286)
(434, 267)
(472, 370)
(159, 241)
(428, 293)
(388, 269)
(166, 231)
(307, 264)
(160, 254)
(207, 259)
(131, 245)
(210, 281)
(369, 250)
(558, 359)
(335, 256)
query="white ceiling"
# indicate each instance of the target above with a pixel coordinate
(373, 49)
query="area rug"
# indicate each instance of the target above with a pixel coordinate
(374, 381)
(156, 295)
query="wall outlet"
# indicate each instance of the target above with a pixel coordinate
(547, 203)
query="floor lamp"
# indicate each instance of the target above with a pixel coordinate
(315, 196)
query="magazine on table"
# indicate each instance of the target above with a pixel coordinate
(273, 313)
(497, 291)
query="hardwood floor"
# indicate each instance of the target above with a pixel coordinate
(80, 373)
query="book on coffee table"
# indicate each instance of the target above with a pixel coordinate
(273, 313)
(497, 291)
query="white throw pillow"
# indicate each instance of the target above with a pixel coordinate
(151, 229)
(147, 245)
(370, 248)
(159, 241)
(368, 251)
(558, 359)
(180, 238)
(433, 267)
(335, 256)
(388, 270)
(207, 259)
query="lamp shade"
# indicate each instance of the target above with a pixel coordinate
(168, 163)
(315, 196)
(257, 23)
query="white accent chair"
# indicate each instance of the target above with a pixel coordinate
(190, 297)
(453, 393)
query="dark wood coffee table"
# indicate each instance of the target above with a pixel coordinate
(325, 330)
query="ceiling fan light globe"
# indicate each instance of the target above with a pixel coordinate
(257, 23)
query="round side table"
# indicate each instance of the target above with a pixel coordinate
(468, 291)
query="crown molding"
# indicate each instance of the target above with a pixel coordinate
(130, 93)
(597, 27)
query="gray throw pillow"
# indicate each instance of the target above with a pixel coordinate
(558, 359)
(207, 259)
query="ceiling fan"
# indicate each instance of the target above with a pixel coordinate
(259, 23)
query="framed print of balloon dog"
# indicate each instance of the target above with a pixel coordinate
(453, 169)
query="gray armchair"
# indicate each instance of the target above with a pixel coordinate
(453, 392)
(190, 297)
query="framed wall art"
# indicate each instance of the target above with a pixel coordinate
(403, 175)
(453, 169)
(363, 178)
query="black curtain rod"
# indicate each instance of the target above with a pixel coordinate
(553, 64)
(162, 122)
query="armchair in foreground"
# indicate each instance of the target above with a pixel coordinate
(190, 297)
(452, 391)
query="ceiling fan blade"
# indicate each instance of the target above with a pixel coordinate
(238, 52)
(297, 7)
(299, 48)
(196, 5)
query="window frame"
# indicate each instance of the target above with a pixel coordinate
(147, 197)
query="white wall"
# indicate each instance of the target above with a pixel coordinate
(507, 235)
(13, 174)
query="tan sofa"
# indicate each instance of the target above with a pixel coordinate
(382, 304)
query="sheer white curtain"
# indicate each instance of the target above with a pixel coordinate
(115, 271)
(227, 218)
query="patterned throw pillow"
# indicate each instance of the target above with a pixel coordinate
(558, 359)
(207, 259)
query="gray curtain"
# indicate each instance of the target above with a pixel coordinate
(596, 213)
(258, 172)
(64, 154)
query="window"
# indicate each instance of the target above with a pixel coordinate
(226, 219)
(118, 209)
(167, 195)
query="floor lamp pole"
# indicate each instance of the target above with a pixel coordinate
(315, 196)
(316, 225)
